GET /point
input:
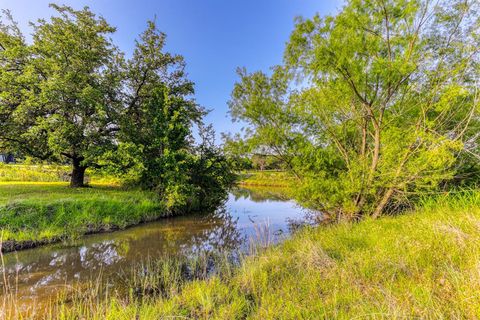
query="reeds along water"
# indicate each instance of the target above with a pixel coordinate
(9, 291)
(149, 279)
(164, 274)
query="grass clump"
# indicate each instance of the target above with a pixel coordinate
(424, 264)
(32, 213)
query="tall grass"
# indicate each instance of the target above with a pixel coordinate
(454, 199)
(424, 264)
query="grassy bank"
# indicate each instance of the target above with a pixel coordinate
(32, 213)
(266, 178)
(424, 264)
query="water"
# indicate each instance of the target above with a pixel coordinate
(40, 273)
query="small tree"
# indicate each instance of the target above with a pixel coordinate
(160, 110)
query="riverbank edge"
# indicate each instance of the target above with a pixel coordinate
(144, 208)
(414, 264)
(7, 246)
(14, 245)
(154, 210)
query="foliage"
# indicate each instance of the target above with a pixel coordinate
(156, 132)
(60, 105)
(72, 95)
(372, 105)
(211, 173)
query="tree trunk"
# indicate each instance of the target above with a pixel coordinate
(376, 154)
(78, 173)
(381, 205)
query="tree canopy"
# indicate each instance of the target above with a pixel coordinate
(72, 95)
(371, 106)
(63, 103)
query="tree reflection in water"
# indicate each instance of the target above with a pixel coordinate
(42, 269)
(261, 194)
(39, 273)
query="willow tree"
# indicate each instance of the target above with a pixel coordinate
(380, 99)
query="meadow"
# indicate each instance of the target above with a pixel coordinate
(49, 173)
(36, 207)
(421, 264)
(266, 178)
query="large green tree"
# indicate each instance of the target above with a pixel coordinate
(371, 106)
(156, 129)
(63, 103)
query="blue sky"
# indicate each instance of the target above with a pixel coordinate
(214, 36)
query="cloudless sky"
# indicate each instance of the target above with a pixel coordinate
(214, 36)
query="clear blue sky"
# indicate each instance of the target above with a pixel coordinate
(214, 36)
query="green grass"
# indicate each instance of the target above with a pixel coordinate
(266, 178)
(45, 211)
(48, 173)
(423, 264)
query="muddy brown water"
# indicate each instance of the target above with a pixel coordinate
(39, 274)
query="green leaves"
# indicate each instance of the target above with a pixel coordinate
(385, 98)
(63, 97)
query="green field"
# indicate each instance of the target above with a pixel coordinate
(423, 264)
(266, 178)
(48, 173)
(36, 212)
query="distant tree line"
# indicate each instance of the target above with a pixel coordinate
(371, 107)
(255, 161)
(72, 95)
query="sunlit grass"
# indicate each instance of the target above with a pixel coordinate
(266, 178)
(52, 210)
(423, 264)
(49, 173)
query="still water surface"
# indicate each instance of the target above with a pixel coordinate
(41, 272)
